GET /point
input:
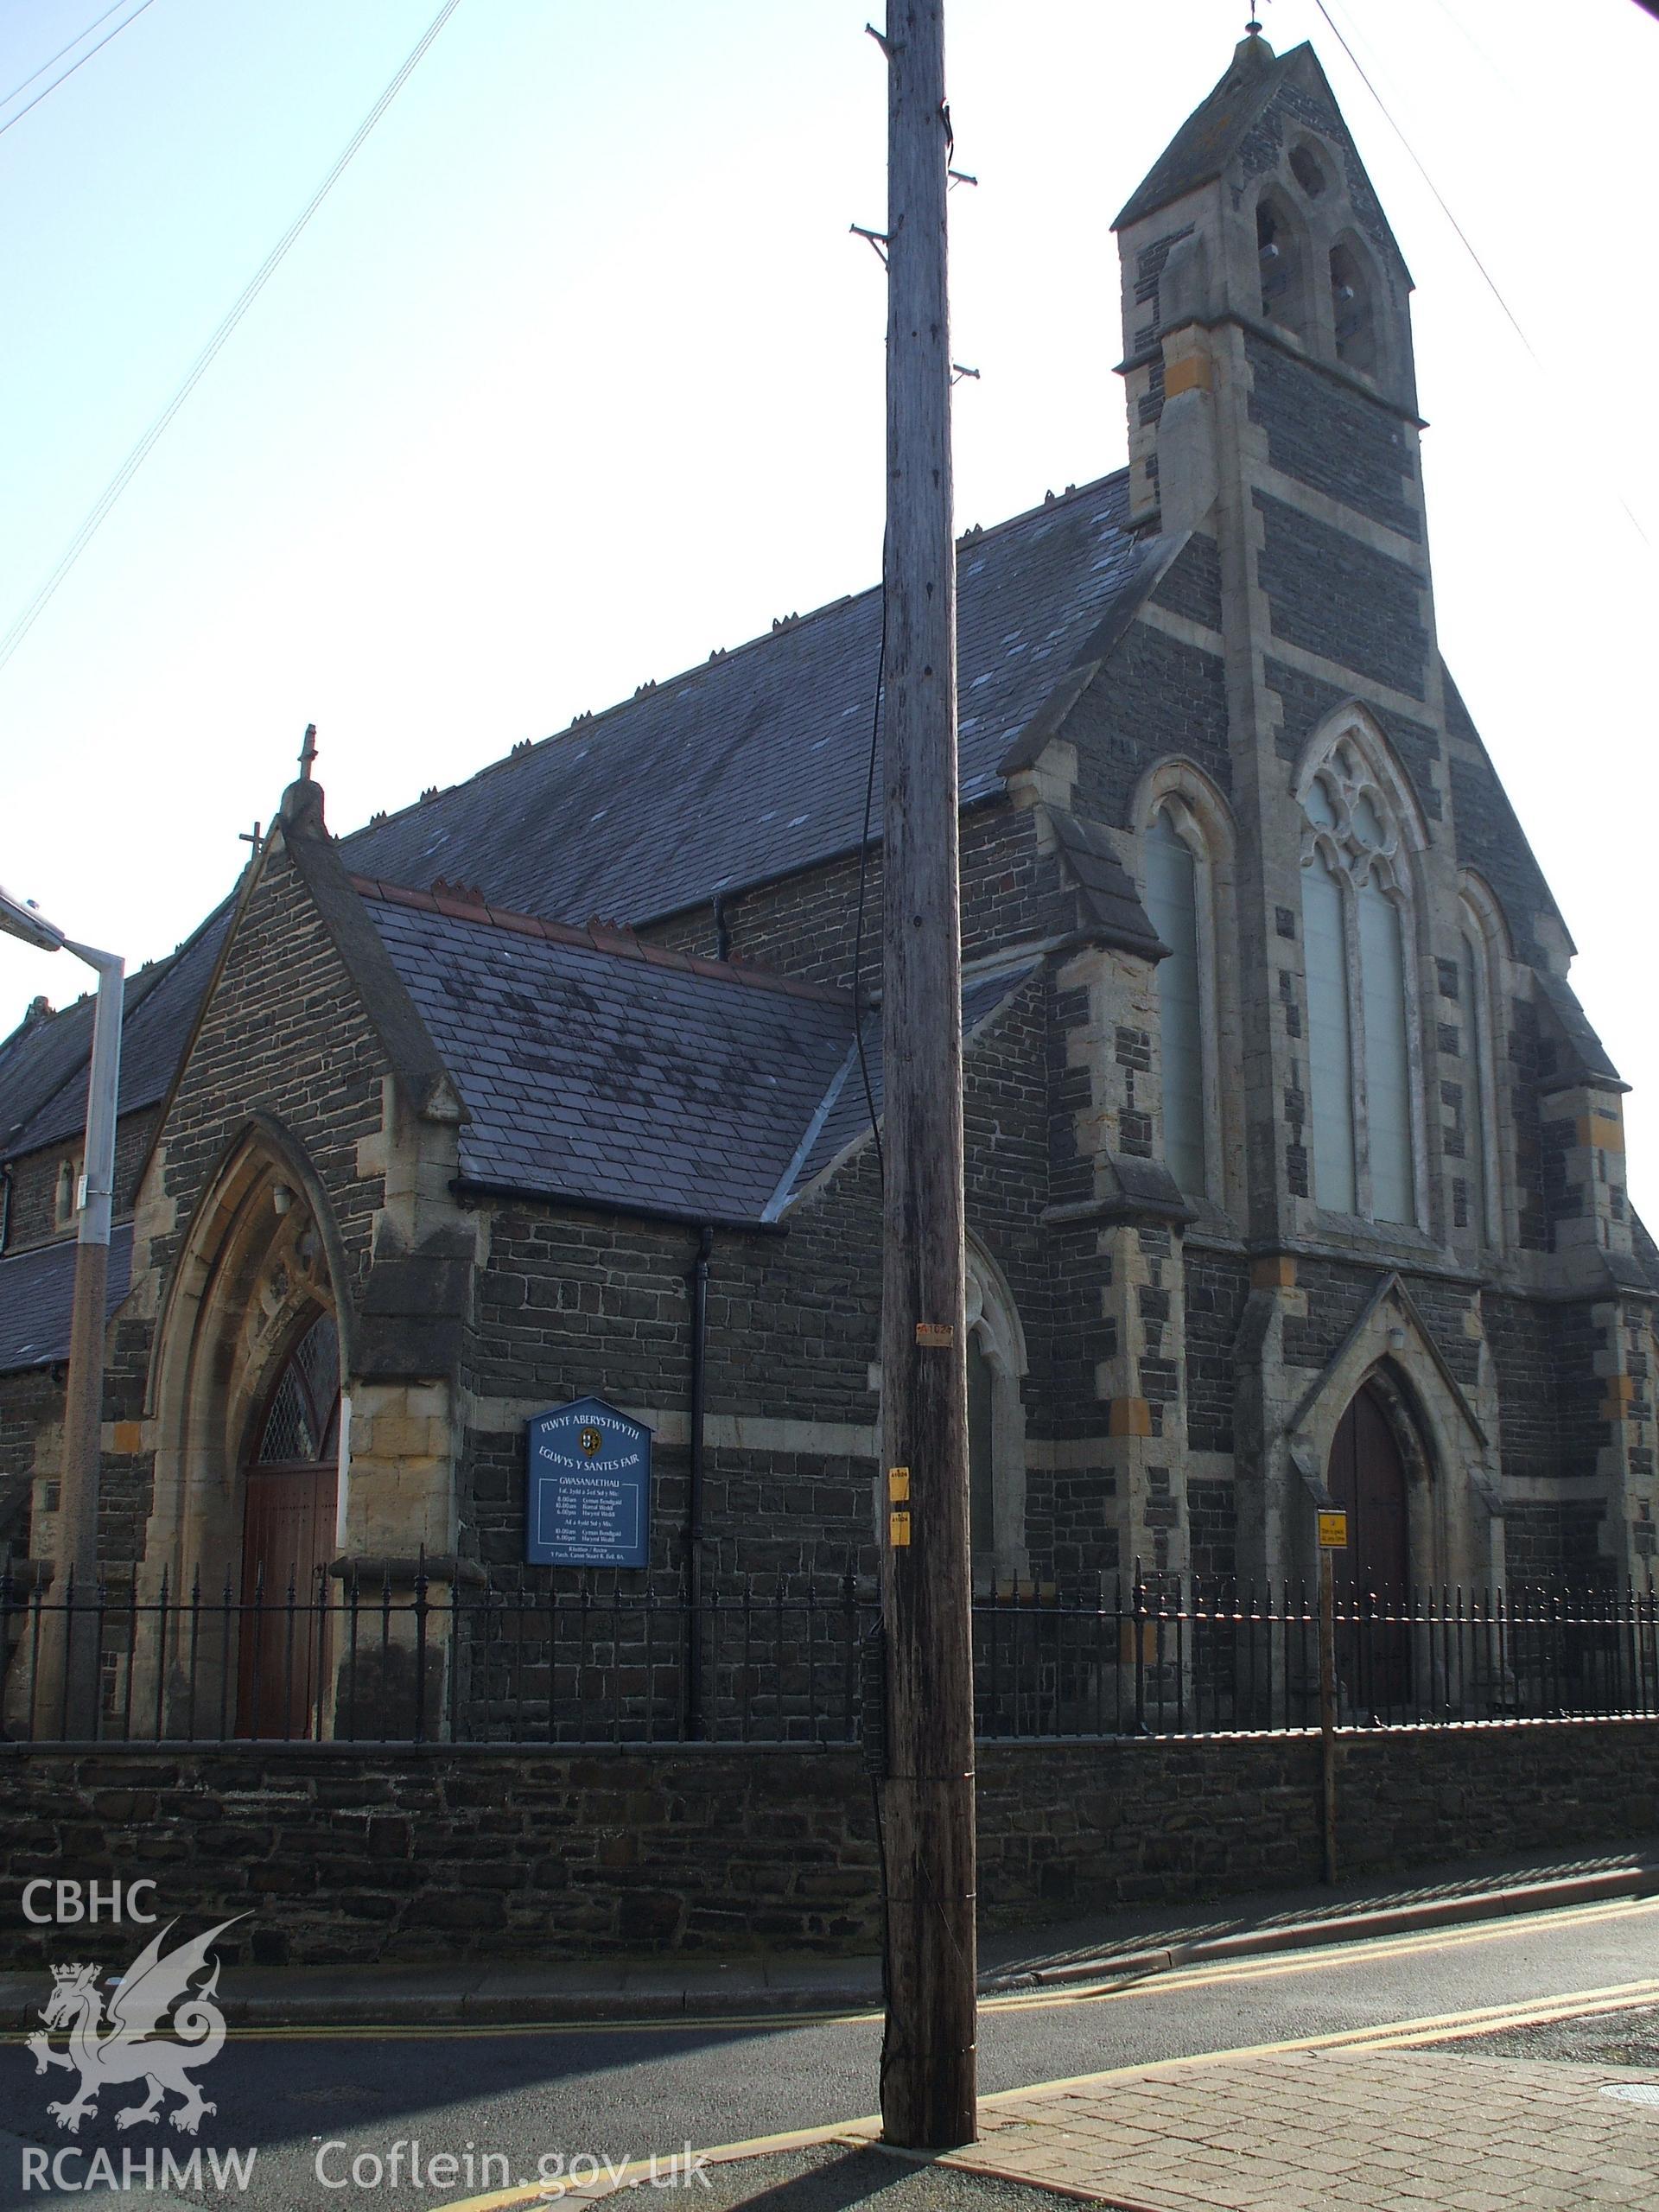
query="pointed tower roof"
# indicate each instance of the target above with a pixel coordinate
(1203, 146)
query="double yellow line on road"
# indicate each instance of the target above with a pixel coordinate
(1114, 1989)
(1273, 1965)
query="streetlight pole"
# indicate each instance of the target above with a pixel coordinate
(67, 1691)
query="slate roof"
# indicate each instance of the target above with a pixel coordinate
(1583, 1057)
(1107, 885)
(754, 765)
(36, 1292)
(738, 772)
(43, 1066)
(601, 1071)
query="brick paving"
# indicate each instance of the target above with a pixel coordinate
(1364, 2131)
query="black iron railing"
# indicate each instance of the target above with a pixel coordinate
(796, 1662)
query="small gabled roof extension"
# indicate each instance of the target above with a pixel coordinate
(599, 1070)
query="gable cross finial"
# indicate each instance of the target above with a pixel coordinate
(308, 751)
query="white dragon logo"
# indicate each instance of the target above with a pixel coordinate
(152, 1986)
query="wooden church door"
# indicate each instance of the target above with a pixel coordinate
(287, 1538)
(1367, 1478)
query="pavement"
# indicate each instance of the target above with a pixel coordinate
(1377, 2119)
(1364, 2129)
(1124, 1943)
(1354, 2127)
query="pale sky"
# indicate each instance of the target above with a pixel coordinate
(578, 374)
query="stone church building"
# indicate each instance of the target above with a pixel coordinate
(1292, 1160)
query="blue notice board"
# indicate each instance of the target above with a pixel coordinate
(589, 1501)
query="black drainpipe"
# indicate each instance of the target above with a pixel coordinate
(723, 929)
(5, 1207)
(698, 1279)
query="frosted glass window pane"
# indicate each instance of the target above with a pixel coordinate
(1388, 1073)
(1171, 906)
(1319, 806)
(1329, 1068)
(982, 1474)
(1474, 1114)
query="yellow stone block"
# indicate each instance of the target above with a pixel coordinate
(1130, 1417)
(1191, 375)
(1604, 1131)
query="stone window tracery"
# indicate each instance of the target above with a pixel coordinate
(1308, 169)
(1362, 1061)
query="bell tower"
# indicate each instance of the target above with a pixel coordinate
(1257, 244)
(1274, 448)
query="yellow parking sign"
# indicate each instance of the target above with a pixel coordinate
(1333, 1532)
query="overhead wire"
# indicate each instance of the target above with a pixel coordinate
(8, 98)
(204, 361)
(1487, 279)
(46, 91)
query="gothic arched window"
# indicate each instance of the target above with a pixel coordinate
(1186, 883)
(996, 1426)
(1356, 911)
(1353, 310)
(301, 1420)
(1173, 909)
(981, 1448)
(1470, 991)
(1479, 944)
(1330, 1044)
(1279, 258)
(1388, 1064)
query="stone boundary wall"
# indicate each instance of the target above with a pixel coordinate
(341, 1854)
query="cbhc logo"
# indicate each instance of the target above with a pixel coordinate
(74, 1902)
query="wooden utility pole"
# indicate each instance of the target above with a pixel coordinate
(929, 2099)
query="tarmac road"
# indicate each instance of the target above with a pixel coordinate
(314, 2105)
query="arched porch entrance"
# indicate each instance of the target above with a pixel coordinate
(252, 1342)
